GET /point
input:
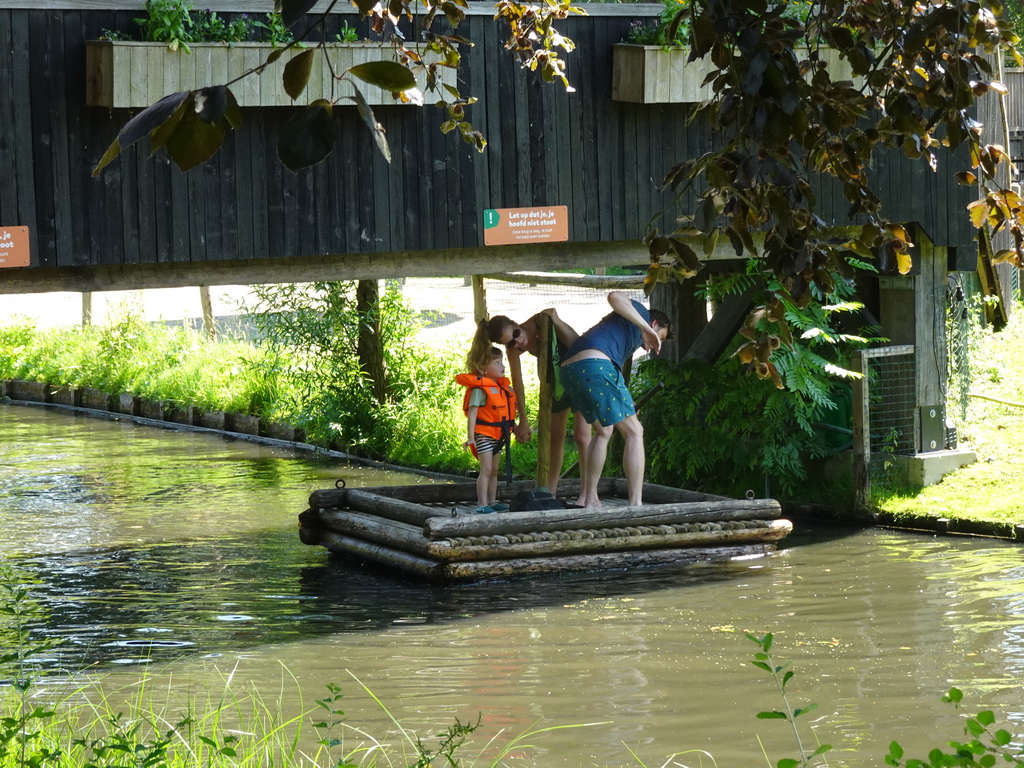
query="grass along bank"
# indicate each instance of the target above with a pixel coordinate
(990, 489)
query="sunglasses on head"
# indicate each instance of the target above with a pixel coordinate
(516, 333)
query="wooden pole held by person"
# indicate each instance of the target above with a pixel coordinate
(479, 299)
(544, 332)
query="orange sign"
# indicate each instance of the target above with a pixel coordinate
(509, 226)
(14, 250)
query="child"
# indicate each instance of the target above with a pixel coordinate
(490, 408)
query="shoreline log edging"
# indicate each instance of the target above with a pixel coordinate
(157, 413)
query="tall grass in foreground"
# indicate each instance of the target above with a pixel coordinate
(80, 724)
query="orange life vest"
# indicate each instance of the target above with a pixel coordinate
(497, 416)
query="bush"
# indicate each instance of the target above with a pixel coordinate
(720, 429)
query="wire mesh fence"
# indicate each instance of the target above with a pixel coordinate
(961, 318)
(883, 419)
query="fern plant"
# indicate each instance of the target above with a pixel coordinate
(756, 430)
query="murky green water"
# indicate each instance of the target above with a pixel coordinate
(175, 555)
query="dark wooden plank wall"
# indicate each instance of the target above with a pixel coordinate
(602, 159)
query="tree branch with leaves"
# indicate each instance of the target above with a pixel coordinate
(784, 123)
(191, 125)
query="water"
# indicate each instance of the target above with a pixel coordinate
(175, 555)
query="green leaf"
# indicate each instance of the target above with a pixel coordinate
(232, 113)
(296, 73)
(140, 126)
(371, 122)
(986, 718)
(787, 762)
(194, 141)
(772, 716)
(389, 75)
(308, 137)
(211, 103)
(163, 132)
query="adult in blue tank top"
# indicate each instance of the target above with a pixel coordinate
(592, 378)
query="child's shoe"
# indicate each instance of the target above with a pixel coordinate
(499, 507)
(484, 510)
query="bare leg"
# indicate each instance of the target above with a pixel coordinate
(558, 424)
(581, 434)
(633, 457)
(492, 480)
(488, 467)
(596, 454)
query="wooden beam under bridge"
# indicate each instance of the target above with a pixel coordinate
(303, 269)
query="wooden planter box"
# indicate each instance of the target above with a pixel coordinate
(651, 74)
(127, 74)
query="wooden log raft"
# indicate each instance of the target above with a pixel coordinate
(425, 530)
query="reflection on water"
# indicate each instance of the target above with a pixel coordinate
(179, 551)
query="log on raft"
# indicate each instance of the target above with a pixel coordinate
(392, 509)
(410, 538)
(382, 554)
(378, 530)
(602, 517)
(455, 493)
(490, 569)
(655, 494)
(506, 548)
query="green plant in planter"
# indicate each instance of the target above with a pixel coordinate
(167, 21)
(176, 23)
(274, 30)
(347, 33)
(208, 27)
(654, 32)
(661, 33)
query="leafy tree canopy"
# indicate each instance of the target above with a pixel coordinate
(918, 69)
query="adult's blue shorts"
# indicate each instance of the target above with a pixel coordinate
(596, 388)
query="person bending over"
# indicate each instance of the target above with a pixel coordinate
(592, 377)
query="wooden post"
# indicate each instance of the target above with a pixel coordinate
(369, 346)
(479, 299)
(544, 331)
(861, 435)
(912, 310)
(208, 321)
(86, 309)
